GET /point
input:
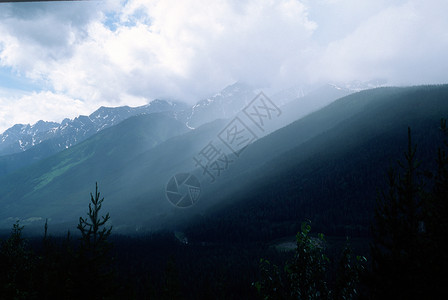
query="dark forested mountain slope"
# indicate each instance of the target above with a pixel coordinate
(327, 167)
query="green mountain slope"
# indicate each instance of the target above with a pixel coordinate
(56, 187)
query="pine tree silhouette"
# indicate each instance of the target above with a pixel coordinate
(95, 276)
(93, 228)
(436, 219)
(400, 253)
(17, 266)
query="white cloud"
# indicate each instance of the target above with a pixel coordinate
(111, 52)
(163, 48)
(32, 107)
(403, 43)
(28, 108)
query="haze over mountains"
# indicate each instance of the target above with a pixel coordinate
(22, 145)
(133, 159)
(223, 104)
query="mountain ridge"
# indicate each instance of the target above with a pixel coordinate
(224, 104)
(22, 137)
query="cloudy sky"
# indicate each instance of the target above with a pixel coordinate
(62, 59)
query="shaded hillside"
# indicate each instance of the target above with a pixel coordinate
(332, 177)
(56, 186)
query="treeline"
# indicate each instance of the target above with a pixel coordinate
(61, 268)
(156, 266)
(94, 264)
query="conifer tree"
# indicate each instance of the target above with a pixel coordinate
(436, 219)
(94, 269)
(93, 228)
(17, 266)
(398, 249)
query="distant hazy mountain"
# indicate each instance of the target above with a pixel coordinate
(307, 103)
(294, 102)
(358, 85)
(20, 137)
(287, 95)
(222, 105)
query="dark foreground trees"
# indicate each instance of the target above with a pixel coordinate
(410, 236)
(398, 249)
(94, 274)
(409, 249)
(306, 275)
(17, 264)
(61, 269)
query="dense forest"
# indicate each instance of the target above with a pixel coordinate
(235, 254)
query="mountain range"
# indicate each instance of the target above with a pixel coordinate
(21, 137)
(325, 165)
(221, 105)
(23, 145)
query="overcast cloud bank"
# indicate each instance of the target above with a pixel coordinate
(82, 55)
